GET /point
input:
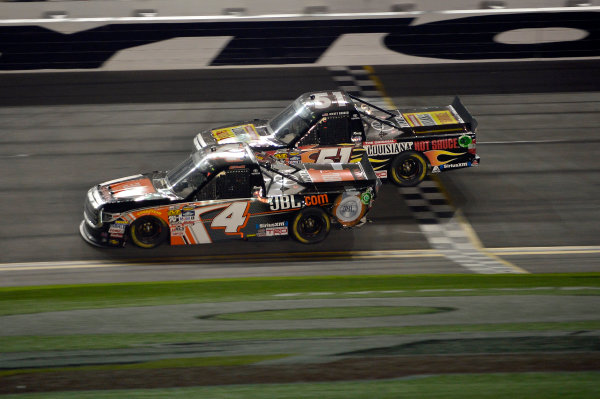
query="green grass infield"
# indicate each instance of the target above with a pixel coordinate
(581, 385)
(139, 340)
(18, 300)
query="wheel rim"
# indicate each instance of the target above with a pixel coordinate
(409, 169)
(311, 226)
(148, 232)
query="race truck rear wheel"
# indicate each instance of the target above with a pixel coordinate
(311, 225)
(408, 169)
(148, 232)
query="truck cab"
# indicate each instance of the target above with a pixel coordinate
(336, 127)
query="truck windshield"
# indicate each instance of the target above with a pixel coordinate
(292, 122)
(189, 175)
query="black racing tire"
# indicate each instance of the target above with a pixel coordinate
(148, 232)
(311, 225)
(408, 169)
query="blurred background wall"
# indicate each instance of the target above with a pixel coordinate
(188, 34)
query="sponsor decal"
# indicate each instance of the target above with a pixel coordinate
(337, 113)
(222, 134)
(382, 174)
(174, 216)
(381, 126)
(331, 175)
(365, 197)
(319, 199)
(284, 202)
(177, 231)
(242, 133)
(349, 209)
(188, 214)
(455, 165)
(148, 212)
(117, 229)
(379, 142)
(276, 231)
(441, 144)
(386, 147)
(272, 231)
(465, 141)
(401, 121)
(413, 120)
(276, 224)
(436, 169)
(433, 118)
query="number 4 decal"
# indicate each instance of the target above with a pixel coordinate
(233, 218)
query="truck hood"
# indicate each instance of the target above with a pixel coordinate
(132, 188)
(255, 133)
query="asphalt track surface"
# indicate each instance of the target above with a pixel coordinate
(61, 133)
(534, 201)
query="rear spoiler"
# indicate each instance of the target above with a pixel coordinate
(464, 114)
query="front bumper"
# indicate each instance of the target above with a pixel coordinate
(98, 237)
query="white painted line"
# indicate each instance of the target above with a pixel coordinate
(349, 255)
(436, 290)
(352, 15)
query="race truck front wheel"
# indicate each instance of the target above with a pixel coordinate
(408, 169)
(148, 232)
(311, 225)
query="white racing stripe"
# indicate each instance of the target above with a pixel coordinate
(282, 15)
(437, 290)
(347, 255)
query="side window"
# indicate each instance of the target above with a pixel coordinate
(231, 183)
(336, 130)
(235, 184)
(310, 138)
(209, 191)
